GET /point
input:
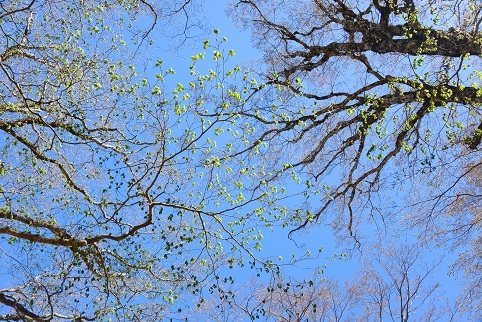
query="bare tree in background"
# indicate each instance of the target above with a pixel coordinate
(396, 283)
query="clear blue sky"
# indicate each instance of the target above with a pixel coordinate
(276, 243)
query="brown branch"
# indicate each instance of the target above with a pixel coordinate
(22, 312)
(9, 13)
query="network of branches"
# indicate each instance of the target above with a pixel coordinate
(129, 193)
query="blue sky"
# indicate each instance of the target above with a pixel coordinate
(276, 242)
(276, 245)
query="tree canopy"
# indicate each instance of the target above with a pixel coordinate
(375, 98)
(133, 191)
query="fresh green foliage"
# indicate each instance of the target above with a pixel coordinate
(116, 198)
(132, 190)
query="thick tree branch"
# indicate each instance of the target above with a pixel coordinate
(22, 312)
